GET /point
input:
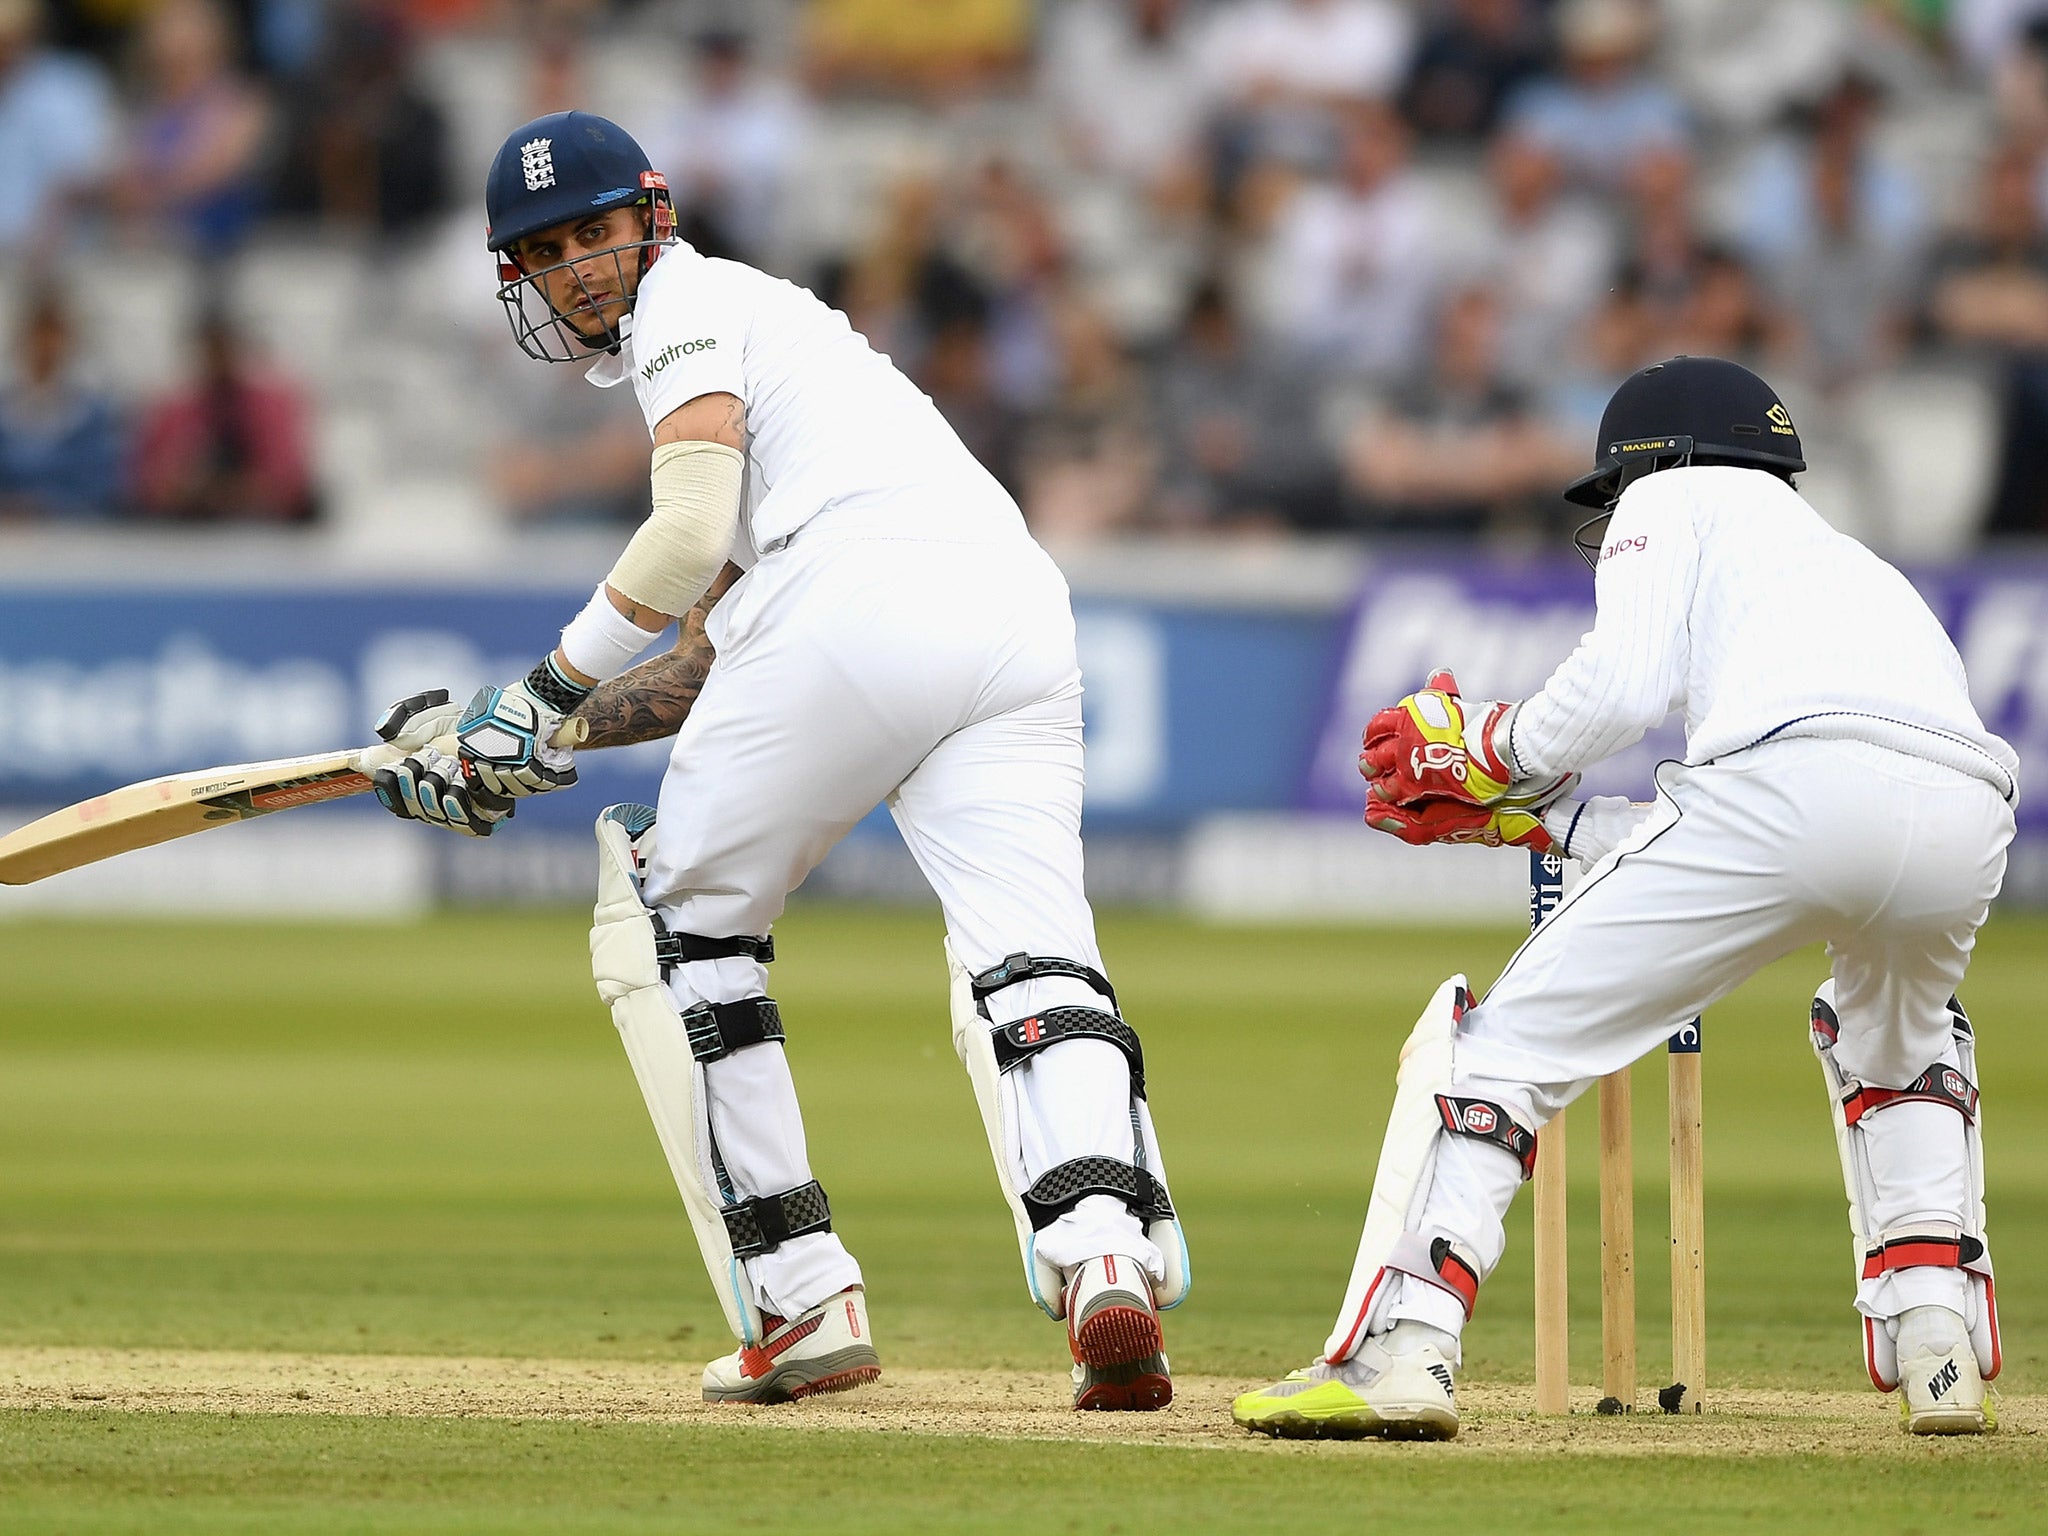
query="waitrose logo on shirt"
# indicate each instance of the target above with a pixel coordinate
(667, 355)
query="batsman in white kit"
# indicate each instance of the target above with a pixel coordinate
(863, 619)
(1837, 786)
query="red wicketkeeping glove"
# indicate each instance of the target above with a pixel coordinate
(1437, 820)
(1433, 744)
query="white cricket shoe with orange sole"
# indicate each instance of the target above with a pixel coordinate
(1113, 1331)
(827, 1349)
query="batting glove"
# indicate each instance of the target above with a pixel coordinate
(418, 720)
(1435, 745)
(430, 786)
(506, 736)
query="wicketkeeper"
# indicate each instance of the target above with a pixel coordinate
(1837, 786)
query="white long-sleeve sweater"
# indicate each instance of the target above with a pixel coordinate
(1722, 592)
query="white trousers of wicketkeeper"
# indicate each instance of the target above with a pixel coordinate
(923, 655)
(1890, 860)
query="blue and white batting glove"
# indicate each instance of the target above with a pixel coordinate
(506, 735)
(430, 786)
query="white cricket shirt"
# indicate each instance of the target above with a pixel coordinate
(830, 421)
(1721, 592)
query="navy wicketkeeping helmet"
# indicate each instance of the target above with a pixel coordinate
(1684, 410)
(561, 169)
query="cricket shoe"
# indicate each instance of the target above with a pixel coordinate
(1940, 1389)
(827, 1349)
(1113, 1331)
(1405, 1396)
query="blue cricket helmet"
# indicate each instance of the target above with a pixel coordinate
(561, 167)
(1687, 410)
(1684, 410)
(556, 169)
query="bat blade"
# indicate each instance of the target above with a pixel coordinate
(160, 810)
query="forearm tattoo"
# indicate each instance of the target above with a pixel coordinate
(654, 699)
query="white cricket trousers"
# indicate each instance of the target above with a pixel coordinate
(925, 658)
(1890, 860)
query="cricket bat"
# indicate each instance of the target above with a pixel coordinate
(159, 810)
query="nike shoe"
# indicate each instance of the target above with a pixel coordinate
(1113, 1331)
(1940, 1389)
(827, 1349)
(1407, 1396)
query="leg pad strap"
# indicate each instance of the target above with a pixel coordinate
(1939, 1084)
(674, 949)
(766, 1222)
(1022, 967)
(1484, 1120)
(1936, 1244)
(716, 1030)
(1439, 1262)
(1060, 1189)
(1024, 1039)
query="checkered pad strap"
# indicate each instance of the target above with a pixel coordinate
(716, 1030)
(1484, 1120)
(1024, 1039)
(1022, 967)
(766, 1222)
(1060, 1189)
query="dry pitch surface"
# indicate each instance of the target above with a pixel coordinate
(995, 1405)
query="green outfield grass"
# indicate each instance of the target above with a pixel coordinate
(425, 1140)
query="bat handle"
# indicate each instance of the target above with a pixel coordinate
(570, 734)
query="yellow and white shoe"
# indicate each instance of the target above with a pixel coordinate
(1405, 1396)
(827, 1349)
(1941, 1391)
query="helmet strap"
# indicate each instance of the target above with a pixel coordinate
(661, 218)
(1590, 535)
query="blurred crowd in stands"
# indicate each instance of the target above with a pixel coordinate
(1186, 267)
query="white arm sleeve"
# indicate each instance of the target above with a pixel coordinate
(1629, 672)
(686, 538)
(601, 642)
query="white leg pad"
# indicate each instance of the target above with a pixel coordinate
(997, 1100)
(1391, 1245)
(998, 1117)
(1176, 1279)
(622, 960)
(1859, 1113)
